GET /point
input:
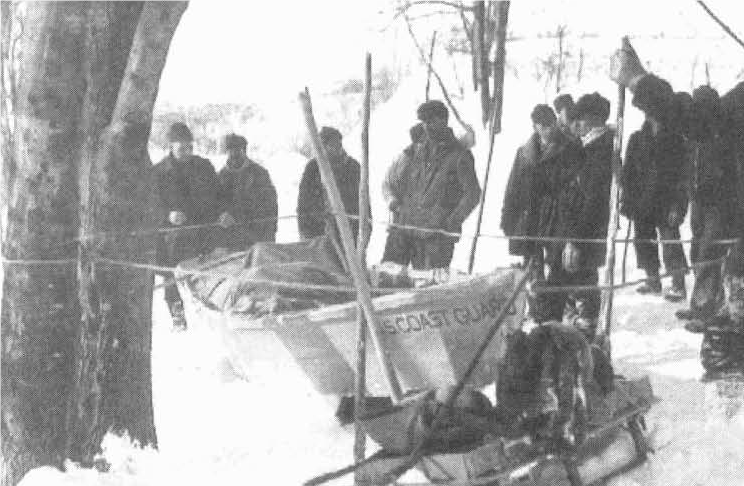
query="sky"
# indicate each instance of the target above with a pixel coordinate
(248, 52)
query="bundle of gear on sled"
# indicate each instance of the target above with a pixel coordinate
(557, 401)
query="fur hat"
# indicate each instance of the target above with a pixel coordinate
(593, 105)
(328, 134)
(431, 109)
(706, 112)
(653, 96)
(543, 115)
(563, 101)
(235, 142)
(179, 132)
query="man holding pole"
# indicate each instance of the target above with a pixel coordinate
(441, 189)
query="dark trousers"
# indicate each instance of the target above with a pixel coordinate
(707, 226)
(422, 253)
(582, 304)
(647, 254)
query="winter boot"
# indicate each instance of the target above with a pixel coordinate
(178, 316)
(677, 292)
(652, 285)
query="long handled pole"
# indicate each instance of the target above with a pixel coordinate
(498, 101)
(347, 241)
(609, 280)
(361, 357)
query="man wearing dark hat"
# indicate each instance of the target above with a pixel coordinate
(440, 190)
(249, 198)
(591, 208)
(314, 213)
(713, 193)
(189, 195)
(655, 197)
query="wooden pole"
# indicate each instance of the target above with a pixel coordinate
(499, 64)
(361, 358)
(609, 280)
(347, 241)
(431, 61)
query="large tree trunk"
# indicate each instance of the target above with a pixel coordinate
(79, 83)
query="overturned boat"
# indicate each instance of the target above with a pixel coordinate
(292, 307)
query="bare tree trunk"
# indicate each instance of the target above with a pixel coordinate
(76, 345)
(559, 68)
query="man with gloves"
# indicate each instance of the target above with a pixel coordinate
(248, 196)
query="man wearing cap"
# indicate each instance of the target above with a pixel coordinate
(314, 213)
(440, 191)
(555, 162)
(590, 209)
(189, 195)
(249, 198)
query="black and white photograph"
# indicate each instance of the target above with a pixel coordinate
(370, 243)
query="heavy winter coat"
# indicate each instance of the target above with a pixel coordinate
(441, 186)
(515, 212)
(250, 197)
(592, 213)
(191, 187)
(653, 177)
(313, 210)
(555, 195)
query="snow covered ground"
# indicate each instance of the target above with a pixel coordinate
(216, 428)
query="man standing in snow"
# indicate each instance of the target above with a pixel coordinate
(655, 194)
(440, 191)
(249, 198)
(189, 195)
(313, 209)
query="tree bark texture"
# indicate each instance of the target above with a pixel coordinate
(76, 338)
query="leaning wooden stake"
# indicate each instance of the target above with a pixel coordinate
(603, 334)
(347, 240)
(497, 107)
(360, 376)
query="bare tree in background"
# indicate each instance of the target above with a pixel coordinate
(79, 81)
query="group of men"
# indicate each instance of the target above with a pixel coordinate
(559, 189)
(433, 188)
(688, 152)
(202, 209)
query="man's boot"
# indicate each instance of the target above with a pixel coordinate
(652, 285)
(677, 292)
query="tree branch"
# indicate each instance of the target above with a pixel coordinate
(720, 22)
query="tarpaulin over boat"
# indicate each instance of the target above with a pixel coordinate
(238, 282)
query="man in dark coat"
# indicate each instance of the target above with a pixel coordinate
(713, 193)
(248, 196)
(314, 212)
(189, 195)
(723, 342)
(393, 187)
(655, 198)
(556, 201)
(441, 190)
